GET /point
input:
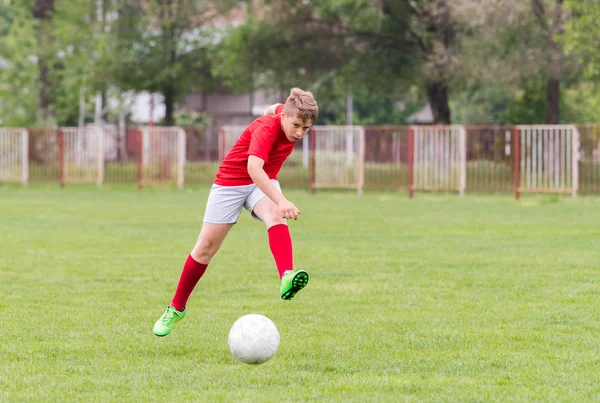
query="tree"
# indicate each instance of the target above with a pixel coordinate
(80, 56)
(332, 48)
(581, 39)
(582, 34)
(7, 15)
(434, 33)
(42, 12)
(50, 47)
(517, 69)
(19, 90)
(160, 46)
(389, 46)
(551, 20)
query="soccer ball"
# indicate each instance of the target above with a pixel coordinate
(253, 339)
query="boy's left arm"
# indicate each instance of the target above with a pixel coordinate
(271, 109)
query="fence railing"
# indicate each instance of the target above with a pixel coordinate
(14, 157)
(517, 159)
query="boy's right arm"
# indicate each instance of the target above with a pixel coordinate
(260, 177)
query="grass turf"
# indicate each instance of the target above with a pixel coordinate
(431, 299)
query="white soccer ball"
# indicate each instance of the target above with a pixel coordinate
(253, 339)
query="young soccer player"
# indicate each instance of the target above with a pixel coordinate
(247, 178)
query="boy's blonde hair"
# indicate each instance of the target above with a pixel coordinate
(301, 103)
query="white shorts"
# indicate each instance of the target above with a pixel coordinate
(224, 204)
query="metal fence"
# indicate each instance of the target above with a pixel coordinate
(14, 157)
(548, 159)
(515, 159)
(589, 159)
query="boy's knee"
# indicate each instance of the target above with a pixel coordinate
(274, 214)
(204, 248)
(274, 218)
(269, 213)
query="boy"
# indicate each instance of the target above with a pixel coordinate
(247, 178)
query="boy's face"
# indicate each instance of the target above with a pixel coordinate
(294, 127)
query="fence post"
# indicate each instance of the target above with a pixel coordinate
(463, 160)
(100, 163)
(25, 156)
(305, 150)
(181, 159)
(221, 144)
(313, 161)
(208, 131)
(575, 161)
(411, 161)
(361, 161)
(517, 160)
(140, 162)
(61, 157)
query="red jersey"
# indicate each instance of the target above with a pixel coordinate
(263, 138)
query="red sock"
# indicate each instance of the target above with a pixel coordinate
(192, 271)
(280, 242)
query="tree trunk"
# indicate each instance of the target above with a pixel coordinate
(169, 95)
(553, 101)
(437, 94)
(43, 13)
(556, 57)
(169, 92)
(45, 105)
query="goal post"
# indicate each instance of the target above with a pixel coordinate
(14, 155)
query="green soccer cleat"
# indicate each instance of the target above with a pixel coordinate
(291, 283)
(163, 326)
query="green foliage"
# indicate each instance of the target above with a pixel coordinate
(326, 47)
(235, 64)
(582, 38)
(162, 47)
(369, 107)
(495, 105)
(192, 118)
(495, 61)
(19, 96)
(77, 65)
(73, 56)
(527, 105)
(582, 33)
(7, 12)
(581, 103)
(481, 105)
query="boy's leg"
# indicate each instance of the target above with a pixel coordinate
(280, 243)
(223, 209)
(209, 241)
(280, 240)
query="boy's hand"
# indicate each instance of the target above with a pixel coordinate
(288, 210)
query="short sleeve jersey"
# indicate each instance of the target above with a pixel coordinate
(263, 138)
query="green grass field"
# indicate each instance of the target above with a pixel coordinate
(431, 299)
